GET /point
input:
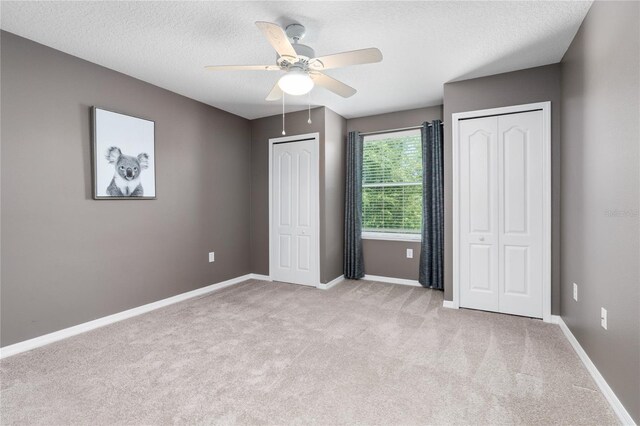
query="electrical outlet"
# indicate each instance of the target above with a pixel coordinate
(212, 257)
(409, 253)
(575, 292)
(603, 318)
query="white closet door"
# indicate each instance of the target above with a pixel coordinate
(521, 177)
(295, 204)
(479, 237)
(501, 161)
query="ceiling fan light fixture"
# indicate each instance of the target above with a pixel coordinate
(296, 82)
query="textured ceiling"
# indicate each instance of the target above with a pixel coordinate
(424, 44)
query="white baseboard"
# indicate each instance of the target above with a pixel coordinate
(448, 304)
(606, 390)
(36, 342)
(46, 339)
(391, 280)
(260, 277)
(331, 283)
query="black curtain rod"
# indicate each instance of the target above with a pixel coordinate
(380, 132)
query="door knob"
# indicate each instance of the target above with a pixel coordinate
(481, 238)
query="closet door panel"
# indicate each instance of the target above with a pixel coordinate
(295, 199)
(520, 199)
(479, 227)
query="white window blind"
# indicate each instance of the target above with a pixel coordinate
(392, 183)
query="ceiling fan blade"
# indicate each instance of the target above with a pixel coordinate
(243, 67)
(330, 83)
(275, 93)
(344, 59)
(277, 38)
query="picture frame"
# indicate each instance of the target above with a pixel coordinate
(123, 156)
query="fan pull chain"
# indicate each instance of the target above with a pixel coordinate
(283, 132)
(309, 120)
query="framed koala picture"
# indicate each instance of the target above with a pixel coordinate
(123, 156)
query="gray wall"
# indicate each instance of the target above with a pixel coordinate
(519, 87)
(388, 258)
(333, 206)
(600, 174)
(66, 258)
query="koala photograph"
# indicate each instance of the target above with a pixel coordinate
(126, 180)
(123, 156)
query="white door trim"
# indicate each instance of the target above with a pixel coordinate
(546, 222)
(316, 215)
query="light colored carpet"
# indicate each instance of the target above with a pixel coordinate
(273, 353)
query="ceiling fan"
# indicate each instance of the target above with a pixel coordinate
(303, 69)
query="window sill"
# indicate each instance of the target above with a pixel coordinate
(386, 236)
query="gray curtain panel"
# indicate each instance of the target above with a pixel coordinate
(353, 258)
(432, 248)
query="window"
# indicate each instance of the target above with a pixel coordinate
(392, 185)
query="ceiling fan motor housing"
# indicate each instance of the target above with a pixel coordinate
(304, 52)
(296, 32)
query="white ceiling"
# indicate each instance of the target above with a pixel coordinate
(424, 44)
